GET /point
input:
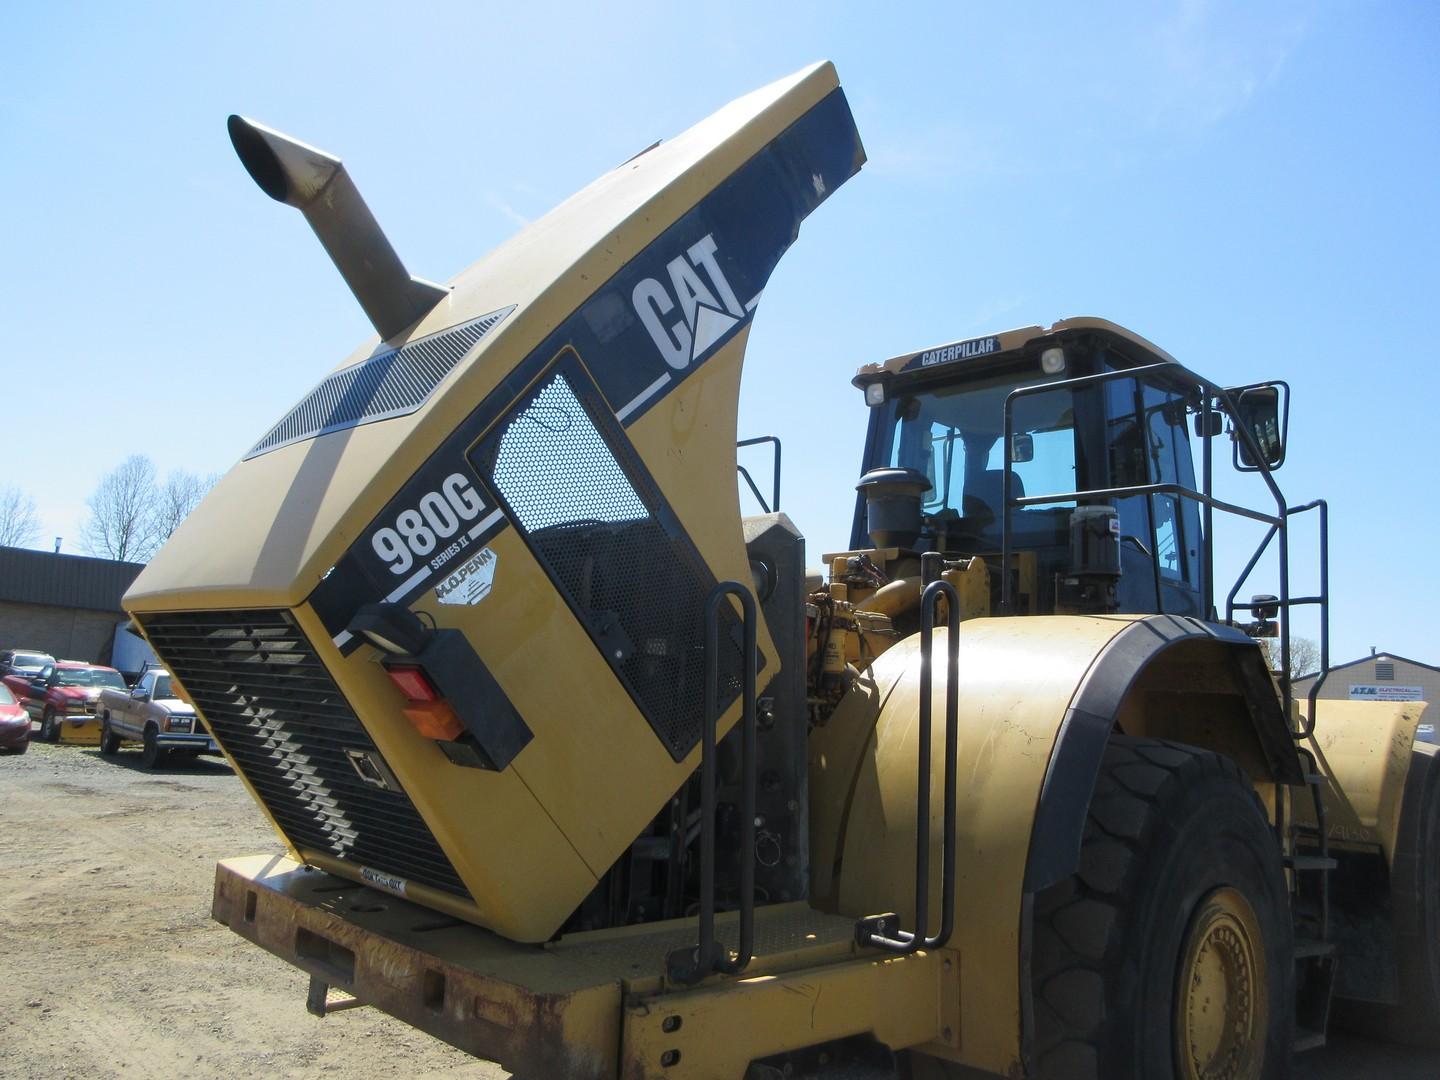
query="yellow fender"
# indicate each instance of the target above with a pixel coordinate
(1039, 698)
(1366, 750)
(1381, 790)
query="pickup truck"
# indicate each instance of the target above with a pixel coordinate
(20, 667)
(149, 713)
(63, 698)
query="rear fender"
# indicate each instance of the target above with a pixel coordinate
(1364, 749)
(1168, 678)
(1380, 785)
(1039, 698)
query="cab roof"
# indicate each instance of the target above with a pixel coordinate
(1007, 341)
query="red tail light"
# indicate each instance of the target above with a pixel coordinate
(431, 715)
(412, 683)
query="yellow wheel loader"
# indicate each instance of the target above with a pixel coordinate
(582, 772)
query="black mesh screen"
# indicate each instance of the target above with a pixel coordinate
(274, 708)
(590, 513)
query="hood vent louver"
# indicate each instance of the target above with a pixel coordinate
(392, 383)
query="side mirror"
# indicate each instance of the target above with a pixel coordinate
(1022, 449)
(140, 694)
(1264, 412)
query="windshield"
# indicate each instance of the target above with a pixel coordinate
(31, 661)
(953, 435)
(89, 677)
(6, 698)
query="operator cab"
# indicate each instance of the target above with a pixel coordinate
(937, 427)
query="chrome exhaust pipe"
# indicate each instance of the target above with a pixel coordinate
(317, 185)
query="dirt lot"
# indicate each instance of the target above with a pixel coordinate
(112, 966)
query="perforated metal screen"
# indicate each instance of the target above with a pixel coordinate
(594, 519)
(392, 384)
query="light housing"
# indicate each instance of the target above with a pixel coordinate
(874, 394)
(1052, 360)
(391, 628)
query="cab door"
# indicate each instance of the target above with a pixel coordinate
(1160, 546)
(127, 712)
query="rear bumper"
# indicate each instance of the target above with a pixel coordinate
(492, 998)
(592, 1005)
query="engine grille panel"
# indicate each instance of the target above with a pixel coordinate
(391, 384)
(595, 520)
(275, 710)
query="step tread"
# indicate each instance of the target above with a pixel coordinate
(1310, 862)
(1307, 1040)
(1308, 947)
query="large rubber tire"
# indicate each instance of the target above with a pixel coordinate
(1179, 872)
(151, 755)
(49, 729)
(109, 741)
(1415, 909)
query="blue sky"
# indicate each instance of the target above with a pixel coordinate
(1251, 186)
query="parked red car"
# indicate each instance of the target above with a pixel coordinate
(19, 666)
(14, 724)
(63, 700)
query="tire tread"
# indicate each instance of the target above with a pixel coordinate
(1074, 919)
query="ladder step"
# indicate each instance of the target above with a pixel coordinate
(1310, 862)
(1308, 947)
(1307, 1040)
(1314, 778)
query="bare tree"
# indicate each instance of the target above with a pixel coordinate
(19, 524)
(1304, 655)
(122, 512)
(180, 494)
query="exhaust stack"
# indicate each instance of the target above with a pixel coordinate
(317, 185)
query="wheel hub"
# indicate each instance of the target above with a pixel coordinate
(1221, 1007)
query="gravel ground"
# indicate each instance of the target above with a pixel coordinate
(112, 966)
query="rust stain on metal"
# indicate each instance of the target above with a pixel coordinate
(533, 1033)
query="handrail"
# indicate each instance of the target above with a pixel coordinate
(1322, 600)
(1148, 489)
(690, 965)
(745, 475)
(882, 931)
(775, 500)
(1213, 395)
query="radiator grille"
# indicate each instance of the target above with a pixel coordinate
(391, 384)
(275, 710)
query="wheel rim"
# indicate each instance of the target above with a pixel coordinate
(1221, 1004)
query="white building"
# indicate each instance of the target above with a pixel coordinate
(1381, 677)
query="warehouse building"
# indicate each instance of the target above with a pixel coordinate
(65, 605)
(1380, 676)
